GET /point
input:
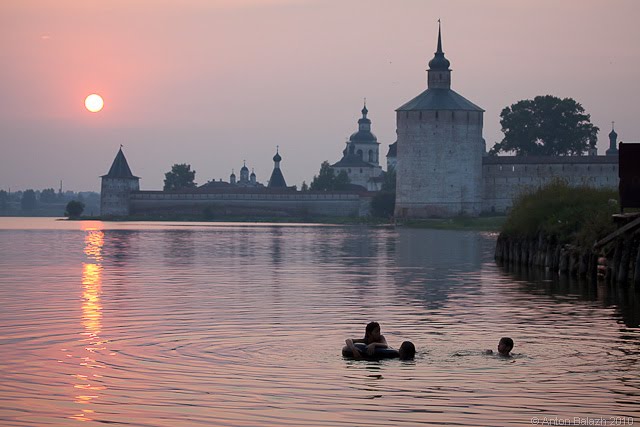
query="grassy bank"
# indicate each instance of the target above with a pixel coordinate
(575, 215)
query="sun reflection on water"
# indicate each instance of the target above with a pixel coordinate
(88, 383)
(91, 307)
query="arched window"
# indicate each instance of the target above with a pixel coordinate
(360, 154)
(371, 158)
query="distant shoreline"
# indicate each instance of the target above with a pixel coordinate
(490, 224)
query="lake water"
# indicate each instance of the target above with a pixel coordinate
(184, 324)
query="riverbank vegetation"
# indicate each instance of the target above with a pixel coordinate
(567, 215)
(572, 231)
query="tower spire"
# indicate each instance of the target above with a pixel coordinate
(439, 74)
(439, 38)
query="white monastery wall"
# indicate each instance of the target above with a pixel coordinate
(439, 163)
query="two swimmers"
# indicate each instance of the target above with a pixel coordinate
(373, 340)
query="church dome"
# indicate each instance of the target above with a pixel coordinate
(277, 157)
(244, 169)
(613, 134)
(363, 135)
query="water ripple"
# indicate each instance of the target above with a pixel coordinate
(242, 325)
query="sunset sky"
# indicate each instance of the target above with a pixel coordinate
(214, 82)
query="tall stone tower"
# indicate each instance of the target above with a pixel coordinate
(116, 187)
(439, 149)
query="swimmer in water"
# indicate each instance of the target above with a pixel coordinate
(372, 339)
(407, 351)
(504, 347)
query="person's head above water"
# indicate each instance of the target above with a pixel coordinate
(505, 346)
(407, 350)
(372, 332)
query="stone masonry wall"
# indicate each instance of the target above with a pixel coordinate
(439, 163)
(250, 204)
(504, 178)
(114, 195)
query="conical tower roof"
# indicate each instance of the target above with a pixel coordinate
(120, 168)
(277, 179)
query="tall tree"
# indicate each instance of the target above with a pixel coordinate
(389, 180)
(546, 126)
(181, 176)
(383, 204)
(28, 202)
(327, 180)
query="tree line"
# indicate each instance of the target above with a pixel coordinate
(47, 200)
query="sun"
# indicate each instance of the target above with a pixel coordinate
(94, 103)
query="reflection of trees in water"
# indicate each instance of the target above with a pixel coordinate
(429, 264)
(625, 299)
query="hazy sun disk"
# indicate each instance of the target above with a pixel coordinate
(94, 103)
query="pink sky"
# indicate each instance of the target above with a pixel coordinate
(212, 83)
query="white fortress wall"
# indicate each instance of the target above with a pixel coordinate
(439, 163)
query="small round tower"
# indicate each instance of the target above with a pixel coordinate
(613, 142)
(277, 178)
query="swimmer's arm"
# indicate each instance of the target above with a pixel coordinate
(371, 348)
(349, 342)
